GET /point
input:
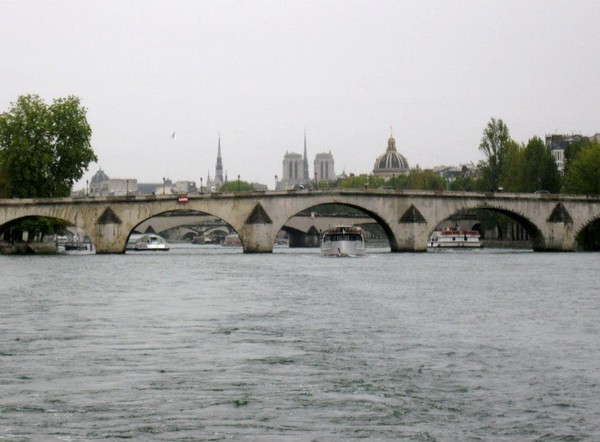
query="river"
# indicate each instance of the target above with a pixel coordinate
(206, 343)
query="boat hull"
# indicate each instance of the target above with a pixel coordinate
(343, 241)
(343, 248)
(152, 248)
(456, 245)
(151, 243)
(455, 239)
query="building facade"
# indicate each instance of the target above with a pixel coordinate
(557, 143)
(295, 170)
(102, 185)
(324, 167)
(95, 186)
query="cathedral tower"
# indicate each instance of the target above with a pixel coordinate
(219, 167)
(306, 176)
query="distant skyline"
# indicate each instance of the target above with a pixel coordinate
(260, 73)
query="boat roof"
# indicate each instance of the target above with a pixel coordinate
(456, 231)
(343, 228)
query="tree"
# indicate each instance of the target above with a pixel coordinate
(354, 182)
(236, 186)
(419, 179)
(467, 184)
(528, 168)
(41, 226)
(573, 149)
(583, 173)
(512, 170)
(540, 170)
(494, 139)
(397, 182)
(3, 180)
(44, 148)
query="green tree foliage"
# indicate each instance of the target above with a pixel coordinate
(540, 170)
(511, 172)
(44, 148)
(514, 167)
(573, 149)
(419, 179)
(236, 186)
(529, 168)
(465, 183)
(354, 182)
(396, 182)
(494, 139)
(490, 220)
(41, 225)
(3, 182)
(583, 173)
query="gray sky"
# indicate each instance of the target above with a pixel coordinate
(259, 72)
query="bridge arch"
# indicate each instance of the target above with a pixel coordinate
(59, 215)
(533, 232)
(370, 212)
(167, 222)
(51, 230)
(587, 237)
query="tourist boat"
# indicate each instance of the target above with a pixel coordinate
(85, 248)
(343, 241)
(150, 241)
(454, 238)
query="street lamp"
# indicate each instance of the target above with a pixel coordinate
(163, 185)
(87, 188)
(275, 182)
(200, 185)
(238, 182)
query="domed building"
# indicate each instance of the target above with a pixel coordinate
(96, 183)
(391, 163)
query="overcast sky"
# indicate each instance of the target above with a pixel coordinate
(260, 73)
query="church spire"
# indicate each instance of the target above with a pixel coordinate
(219, 168)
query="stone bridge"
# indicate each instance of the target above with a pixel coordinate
(407, 217)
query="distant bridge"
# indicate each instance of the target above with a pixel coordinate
(406, 217)
(303, 229)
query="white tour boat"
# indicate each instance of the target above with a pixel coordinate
(343, 241)
(150, 241)
(454, 238)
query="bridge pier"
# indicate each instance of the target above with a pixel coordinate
(301, 239)
(410, 238)
(107, 238)
(559, 237)
(257, 238)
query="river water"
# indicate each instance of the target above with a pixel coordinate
(205, 343)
